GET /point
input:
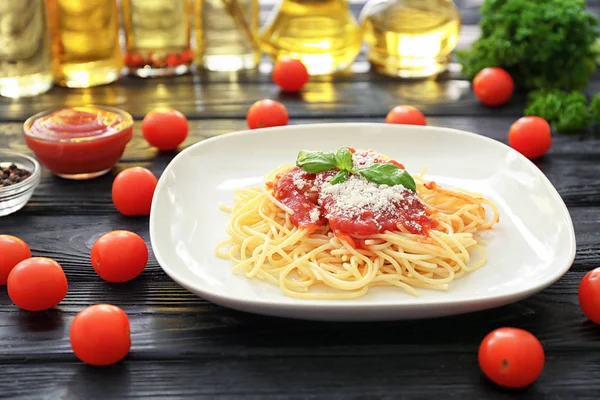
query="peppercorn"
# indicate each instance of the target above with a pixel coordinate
(12, 174)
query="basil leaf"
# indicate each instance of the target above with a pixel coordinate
(388, 174)
(316, 161)
(343, 159)
(340, 177)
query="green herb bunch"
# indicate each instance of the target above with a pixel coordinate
(543, 44)
(381, 174)
(550, 49)
(565, 110)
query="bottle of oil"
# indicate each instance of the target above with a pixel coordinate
(323, 34)
(85, 41)
(410, 38)
(157, 37)
(24, 49)
(226, 34)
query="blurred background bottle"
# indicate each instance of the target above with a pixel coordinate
(410, 38)
(323, 34)
(85, 42)
(24, 49)
(226, 34)
(157, 36)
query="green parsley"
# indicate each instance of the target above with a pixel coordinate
(549, 44)
(565, 111)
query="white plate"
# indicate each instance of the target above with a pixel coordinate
(531, 247)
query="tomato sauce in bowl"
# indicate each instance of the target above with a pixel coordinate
(79, 142)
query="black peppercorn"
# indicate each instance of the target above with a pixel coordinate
(12, 174)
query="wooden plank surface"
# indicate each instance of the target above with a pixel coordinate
(186, 347)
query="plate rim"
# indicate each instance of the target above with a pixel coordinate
(499, 299)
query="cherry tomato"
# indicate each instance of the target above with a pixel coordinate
(589, 295)
(511, 357)
(119, 256)
(531, 136)
(37, 284)
(186, 56)
(290, 74)
(173, 61)
(165, 128)
(134, 60)
(407, 115)
(100, 335)
(132, 191)
(12, 251)
(266, 113)
(493, 86)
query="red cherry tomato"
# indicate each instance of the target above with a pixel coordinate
(132, 191)
(493, 86)
(407, 115)
(12, 251)
(134, 60)
(589, 295)
(511, 357)
(186, 56)
(165, 128)
(119, 256)
(100, 335)
(37, 284)
(531, 136)
(266, 113)
(173, 61)
(289, 74)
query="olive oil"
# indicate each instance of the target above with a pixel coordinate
(85, 42)
(323, 34)
(24, 49)
(157, 36)
(410, 38)
(226, 33)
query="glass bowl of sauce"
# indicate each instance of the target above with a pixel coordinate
(79, 142)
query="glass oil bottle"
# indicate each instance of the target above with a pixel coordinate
(226, 33)
(25, 58)
(323, 34)
(410, 38)
(85, 42)
(157, 37)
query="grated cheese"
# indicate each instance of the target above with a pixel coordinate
(365, 158)
(299, 181)
(352, 198)
(315, 214)
(360, 194)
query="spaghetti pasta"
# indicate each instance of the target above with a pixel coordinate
(316, 260)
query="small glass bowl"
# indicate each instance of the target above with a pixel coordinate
(83, 157)
(14, 197)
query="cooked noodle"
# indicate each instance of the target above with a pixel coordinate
(315, 264)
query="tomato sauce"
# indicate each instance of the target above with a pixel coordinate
(296, 189)
(79, 140)
(409, 213)
(303, 193)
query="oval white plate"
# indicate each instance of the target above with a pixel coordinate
(531, 247)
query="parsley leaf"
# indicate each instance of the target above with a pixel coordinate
(565, 111)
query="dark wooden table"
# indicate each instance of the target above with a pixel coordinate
(184, 346)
